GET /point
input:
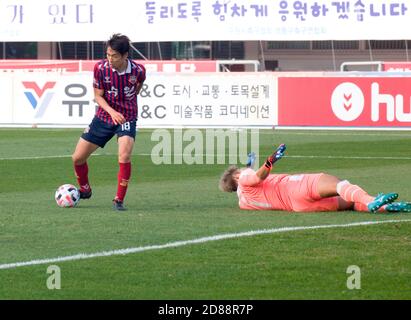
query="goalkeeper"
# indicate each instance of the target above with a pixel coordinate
(261, 190)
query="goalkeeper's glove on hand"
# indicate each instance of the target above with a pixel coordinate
(277, 155)
(251, 160)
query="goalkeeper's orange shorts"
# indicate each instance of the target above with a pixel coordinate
(304, 196)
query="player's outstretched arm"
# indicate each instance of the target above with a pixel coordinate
(265, 169)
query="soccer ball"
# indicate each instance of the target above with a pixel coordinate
(67, 196)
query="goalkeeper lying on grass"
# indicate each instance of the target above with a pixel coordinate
(260, 190)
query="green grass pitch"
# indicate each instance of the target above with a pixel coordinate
(170, 203)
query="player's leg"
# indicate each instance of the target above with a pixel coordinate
(96, 135)
(126, 136)
(364, 201)
(329, 186)
(125, 149)
(82, 152)
(323, 204)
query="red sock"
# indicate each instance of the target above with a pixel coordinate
(124, 174)
(82, 176)
(353, 193)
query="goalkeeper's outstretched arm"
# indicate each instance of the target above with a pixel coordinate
(265, 169)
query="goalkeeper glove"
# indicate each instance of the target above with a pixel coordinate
(251, 160)
(277, 155)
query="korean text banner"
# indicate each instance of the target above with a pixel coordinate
(190, 20)
(166, 100)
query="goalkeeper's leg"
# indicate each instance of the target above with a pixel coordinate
(329, 186)
(363, 201)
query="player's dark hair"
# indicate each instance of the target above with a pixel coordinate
(119, 43)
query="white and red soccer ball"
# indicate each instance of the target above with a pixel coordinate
(67, 196)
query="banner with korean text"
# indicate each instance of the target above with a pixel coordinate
(166, 100)
(217, 100)
(195, 20)
(232, 100)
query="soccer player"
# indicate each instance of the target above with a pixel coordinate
(261, 190)
(117, 82)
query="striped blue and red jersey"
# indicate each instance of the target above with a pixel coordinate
(119, 88)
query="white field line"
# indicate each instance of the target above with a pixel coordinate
(82, 256)
(209, 154)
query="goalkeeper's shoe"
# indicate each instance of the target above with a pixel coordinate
(118, 205)
(399, 206)
(380, 200)
(85, 194)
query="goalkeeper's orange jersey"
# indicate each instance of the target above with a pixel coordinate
(282, 192)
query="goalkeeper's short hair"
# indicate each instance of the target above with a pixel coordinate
(227, 182)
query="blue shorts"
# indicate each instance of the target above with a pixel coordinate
(100, 132)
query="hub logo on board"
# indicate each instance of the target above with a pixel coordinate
(347, 101)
